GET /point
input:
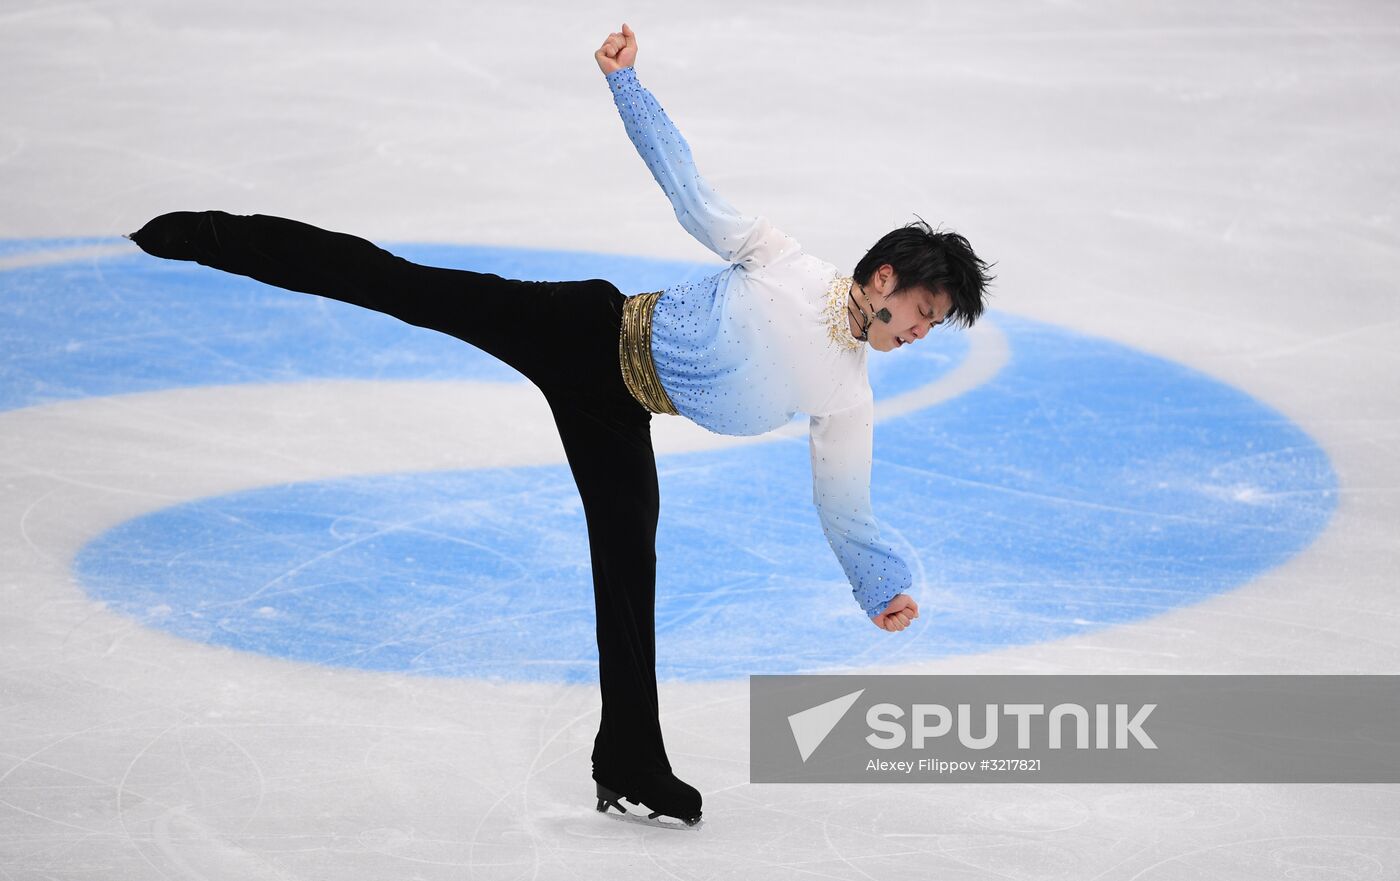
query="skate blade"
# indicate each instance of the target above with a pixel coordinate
(608, 799)
(661, 822)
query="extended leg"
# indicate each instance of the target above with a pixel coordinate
(528, 325)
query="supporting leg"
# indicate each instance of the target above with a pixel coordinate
(610, 453)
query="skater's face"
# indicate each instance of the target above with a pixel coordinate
(913, 311)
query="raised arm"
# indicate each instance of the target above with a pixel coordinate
(719, 226)
(841, 453)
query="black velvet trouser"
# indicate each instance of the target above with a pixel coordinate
(563, 336)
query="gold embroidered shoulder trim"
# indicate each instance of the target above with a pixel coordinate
(838, 326)
(634, 354)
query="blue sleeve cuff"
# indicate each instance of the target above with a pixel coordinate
(621, 76)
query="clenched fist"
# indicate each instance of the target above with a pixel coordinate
(618, 51)
(897, 615)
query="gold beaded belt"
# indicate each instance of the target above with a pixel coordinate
(634, 352)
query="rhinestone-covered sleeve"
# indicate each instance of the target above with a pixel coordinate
(706, 215)
(841, 445)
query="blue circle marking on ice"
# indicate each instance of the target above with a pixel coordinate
(1086, 484)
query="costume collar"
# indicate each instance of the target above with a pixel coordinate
(838, 325)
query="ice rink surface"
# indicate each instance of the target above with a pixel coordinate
(291, 591)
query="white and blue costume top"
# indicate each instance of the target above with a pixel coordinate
(744, 350)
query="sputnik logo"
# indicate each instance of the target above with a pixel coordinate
(810, 727)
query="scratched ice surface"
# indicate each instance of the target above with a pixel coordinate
(1202, 195)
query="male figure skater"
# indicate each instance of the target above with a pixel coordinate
(775, 333)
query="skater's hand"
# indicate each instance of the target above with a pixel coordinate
(897, 615)
(618, 51)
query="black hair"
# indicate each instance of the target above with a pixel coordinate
(935, 260)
